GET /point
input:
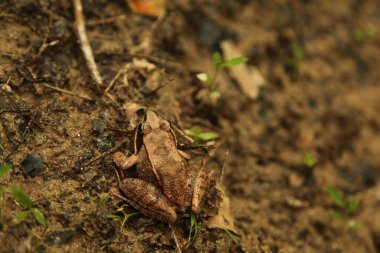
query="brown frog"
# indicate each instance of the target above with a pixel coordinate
(168, 182)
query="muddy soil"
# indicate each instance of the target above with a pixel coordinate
(314, 124)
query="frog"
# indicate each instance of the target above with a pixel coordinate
(168, 181)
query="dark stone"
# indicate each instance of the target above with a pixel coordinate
(105, 143)
(59, 237)
(98, 125)
(22, 121)
(32, 165)
(41, 249)
(368, 173)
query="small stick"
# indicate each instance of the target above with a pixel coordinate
(65, 91)
(175, 239)
(106, 20)
(84, 43)
(116, 77)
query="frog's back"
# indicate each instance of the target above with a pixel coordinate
(169, 167)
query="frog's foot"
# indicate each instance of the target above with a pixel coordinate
(148, 199)
(123, 162)
(200, 187)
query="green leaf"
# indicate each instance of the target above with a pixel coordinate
(204, 77)
(207, 136)
(193, 228)
(39, 216)
(113, 217)
(335, 214)
(353, 224)
(353, 206)
(2, 191)
(214, 94)
(21, 197)
(231, 235)
(199, 136)
(21, 216)
(4, 169)
(309, 161)
(336, 197)
(234, 62)
(217, 59)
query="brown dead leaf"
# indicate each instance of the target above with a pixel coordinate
(224, 218)
(131, 109)
(153, 8)
(248, 77)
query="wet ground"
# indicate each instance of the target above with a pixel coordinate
(313, 124)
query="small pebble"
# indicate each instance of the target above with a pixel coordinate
(59, 237)
(32, 165)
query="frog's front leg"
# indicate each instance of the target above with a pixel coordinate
(148, 199)
(123, 162)
(200, 186)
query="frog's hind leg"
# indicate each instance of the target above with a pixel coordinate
(200, 187)
(148, 199)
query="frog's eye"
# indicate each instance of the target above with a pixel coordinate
(146, 129)
(165, 125)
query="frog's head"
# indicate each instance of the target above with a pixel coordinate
(154, 122)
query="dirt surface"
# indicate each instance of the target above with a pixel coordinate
(319, 101)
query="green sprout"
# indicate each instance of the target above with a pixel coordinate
(199, 136)
(346, 208)
(366, 34)
(124, 219)
(231, 235)
(193, 230)
(5, 169)
(218, 65)
(309, 160)
(22, 198)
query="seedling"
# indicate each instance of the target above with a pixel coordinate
(366, 34)
(193, 231)
(23, 199)
(346, 208)
(199, 136)
(309, 160)
(124, 219)
(231, 235)
(218, 65)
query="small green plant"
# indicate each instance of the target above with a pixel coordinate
(218, 65)
(199, 136)
(365, 34)
(346, 208)
(308, 160)
(124, 218)
(193, 229)
(231, 235)
(22, 198)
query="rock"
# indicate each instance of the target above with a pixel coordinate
(98, 125)
(32, 165)
(59, 237)
(105, 143)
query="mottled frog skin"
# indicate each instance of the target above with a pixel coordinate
(168, 183)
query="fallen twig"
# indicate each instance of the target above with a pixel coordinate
(84, 43)
(65, 91)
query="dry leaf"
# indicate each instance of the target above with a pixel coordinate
(248, 77)
(224, 218)
(153, 8)
(131, 109)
